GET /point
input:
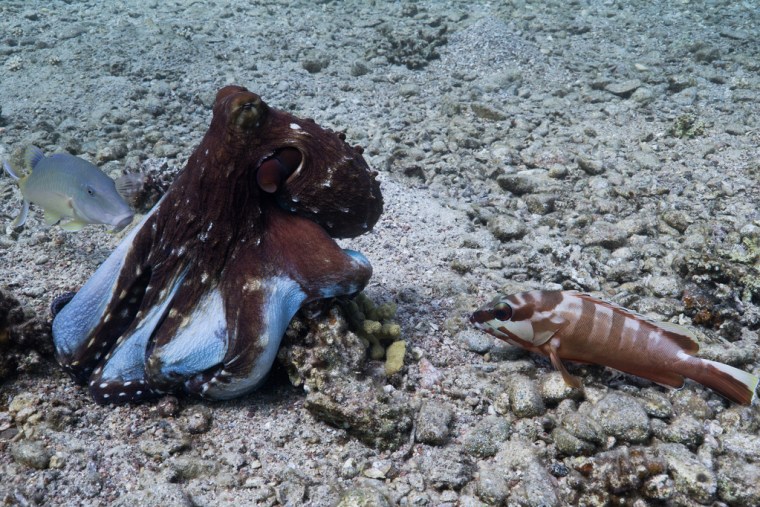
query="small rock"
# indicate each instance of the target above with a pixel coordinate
(683, 429)
(525, 397)
(659, 487)
(196, 419)
(518, 475)
(738, 482)
(590, 167)
(484, 439)
(623, 417)
(569, 444)
(433, 421)
(692, 477)
(446, 467)
(507, 228)
(475, 341)
(554, 389)
(606, 235)
(623, 89)
(31, 453)
(364, 496)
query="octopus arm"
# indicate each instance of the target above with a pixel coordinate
(75, 326)
(122, 376)
(253, 344)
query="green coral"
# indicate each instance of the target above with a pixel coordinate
(394, 357)
(687, 126)
(373, 323)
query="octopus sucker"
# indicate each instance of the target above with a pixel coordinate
(197, 297)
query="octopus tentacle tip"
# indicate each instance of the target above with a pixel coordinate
(173, 308)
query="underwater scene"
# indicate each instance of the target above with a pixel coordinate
(367, 253)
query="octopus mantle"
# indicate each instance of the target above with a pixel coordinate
(198, 296)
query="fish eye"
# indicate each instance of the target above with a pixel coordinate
(90, 191)
(502, 311)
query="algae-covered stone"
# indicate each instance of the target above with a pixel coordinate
(692, 477)
(738, 482)
(623, 417)
(517, 471)
(364, 496)
(446, 467)
(569, 444)
(525, 397)
(484, 439)
(433, 422)
(31, 453)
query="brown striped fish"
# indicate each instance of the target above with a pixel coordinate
(568, 325)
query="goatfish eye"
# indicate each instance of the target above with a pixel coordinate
(498, 311)
(502, 312)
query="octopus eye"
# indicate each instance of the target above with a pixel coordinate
(502, 311)
(249, 114)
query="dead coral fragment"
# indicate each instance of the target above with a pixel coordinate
(330, 361)
(23, 337)
(687, 126)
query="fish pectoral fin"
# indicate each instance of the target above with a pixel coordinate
(570, 380)
(51, 218)
(20, 219)
(72, 226)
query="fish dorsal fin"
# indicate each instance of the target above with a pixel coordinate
(130, 185)
(32, 157)
(679, 334)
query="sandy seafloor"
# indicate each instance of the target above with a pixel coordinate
(610, 147)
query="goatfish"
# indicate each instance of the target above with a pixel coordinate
(569, 325)
(68, 187)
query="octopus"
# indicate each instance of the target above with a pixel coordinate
(196, 298)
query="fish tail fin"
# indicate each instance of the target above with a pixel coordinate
(32, 156)
(10, 171)
(737, 385)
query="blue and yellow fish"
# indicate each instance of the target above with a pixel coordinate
(68, 187)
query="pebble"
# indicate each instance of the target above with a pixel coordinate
(446, 467)
(692, 477)
(433, 422)
(525, 397)
(605, 234)
(683, 429)
(31, 453)
(656, 404)
(484, 439)
(584, 427)
(191, 467)
(622, 416)
(738, 482)
(507, 228)
(554, 389)
(196, 419)
(475, 341)
(623, 89)
(516, 474)
(364, 496)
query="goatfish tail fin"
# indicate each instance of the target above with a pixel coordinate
(737, 385)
